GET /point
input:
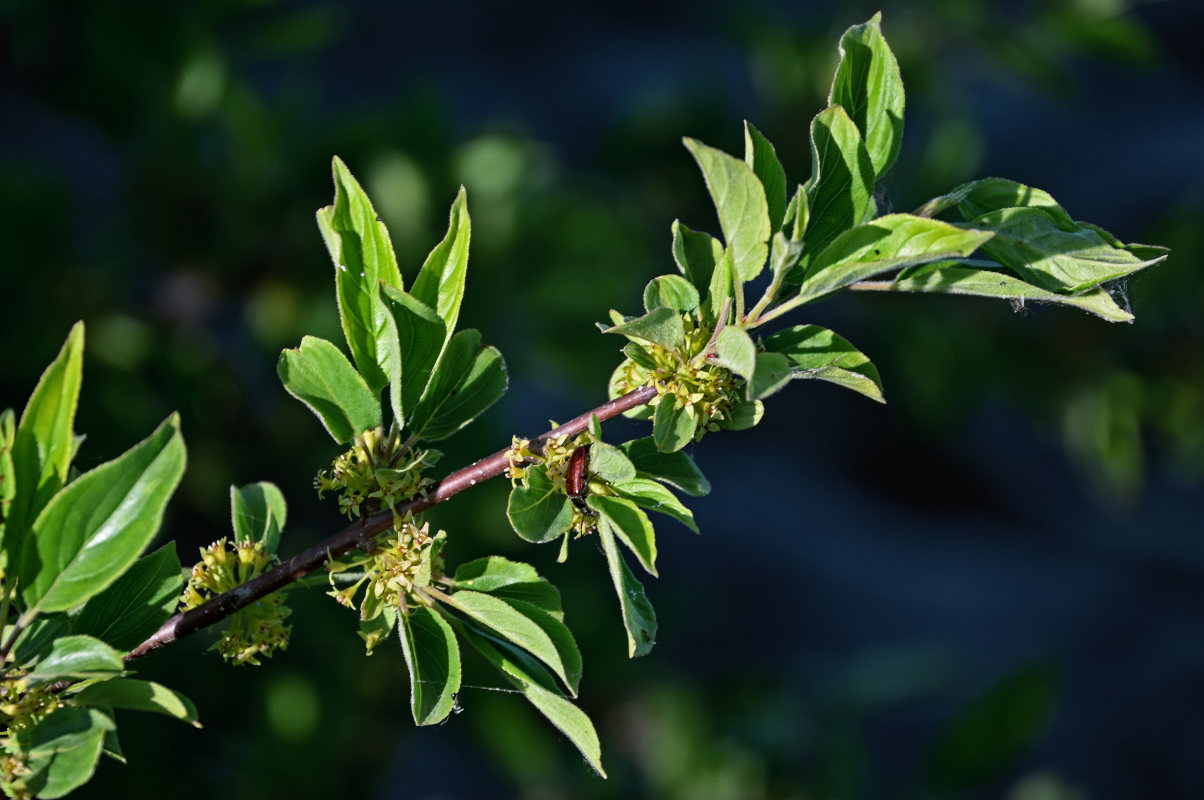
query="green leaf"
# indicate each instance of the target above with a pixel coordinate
(525, 675)
(8, 478)
(672, 427)
(995, 194)
(661, 326)
(745, 414)
(818, 353)
(138, 695)
(670, 291)
(841, 184)
(516, 626)
(65, 747)
(867, 85)
(98, 525)
(77, 658)
(137, 603)
(649, 494)
(258, 513)
(798, 214)
(509, 580)
(539, 512)
(319, 375)
(631, 525)
(469, 378)
(43, 442)
(773, 372)
(696, 255)
(421, 336)
(433, 659)
(639, 620)
(440, 283)
(762, 158)
(363, 259)
(1054, 255)
(886, 244)
(34, 643)
(995, 731)
(676, 469)
(784, 254)
(735, 350)
(558, 632)
(947, 279)
(610, 463)
(743, 209)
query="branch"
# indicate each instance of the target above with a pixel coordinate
(359, 533)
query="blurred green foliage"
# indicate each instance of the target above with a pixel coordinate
(140, 141)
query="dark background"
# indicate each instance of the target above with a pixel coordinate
(991, 587)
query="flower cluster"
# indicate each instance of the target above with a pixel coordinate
(403, 560)
(22, 707)
(255, 631)
(378, 471)
(705, 390)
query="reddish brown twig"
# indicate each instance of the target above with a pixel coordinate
(357, 534)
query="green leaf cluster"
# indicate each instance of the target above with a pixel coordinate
(76, 593)
(402, 344)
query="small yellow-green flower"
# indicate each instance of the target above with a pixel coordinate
(255, 631)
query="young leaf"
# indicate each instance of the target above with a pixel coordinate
(798, 214)
(696, 255)
(867, 85)
(42, 444)
(676, 469)
(672, 292)
(138, 695)
(64, 749)
(469, 378)
(433, 659)
(421, 336)
(137, 603)
(647, 493)
(673, 428)
(319, 375)
(610, 463)
(631, 524)
(363, 258)
(1053, 255)
(661, 326)
(743, 210)
(951, 279)
(735, 350)
(886, 244)
(762, 158)
(440, 283)
(92, 530)
(639, 619)
(773, 372)
(539, 512)
(816, 352)
(77, 658)
(530, 680)
(257, 513)
(841, 184)
(515, 626)
(509, 580)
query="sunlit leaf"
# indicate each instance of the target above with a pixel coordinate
(743, 210)
(320, 376)
(433, 659)
(98, 525)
